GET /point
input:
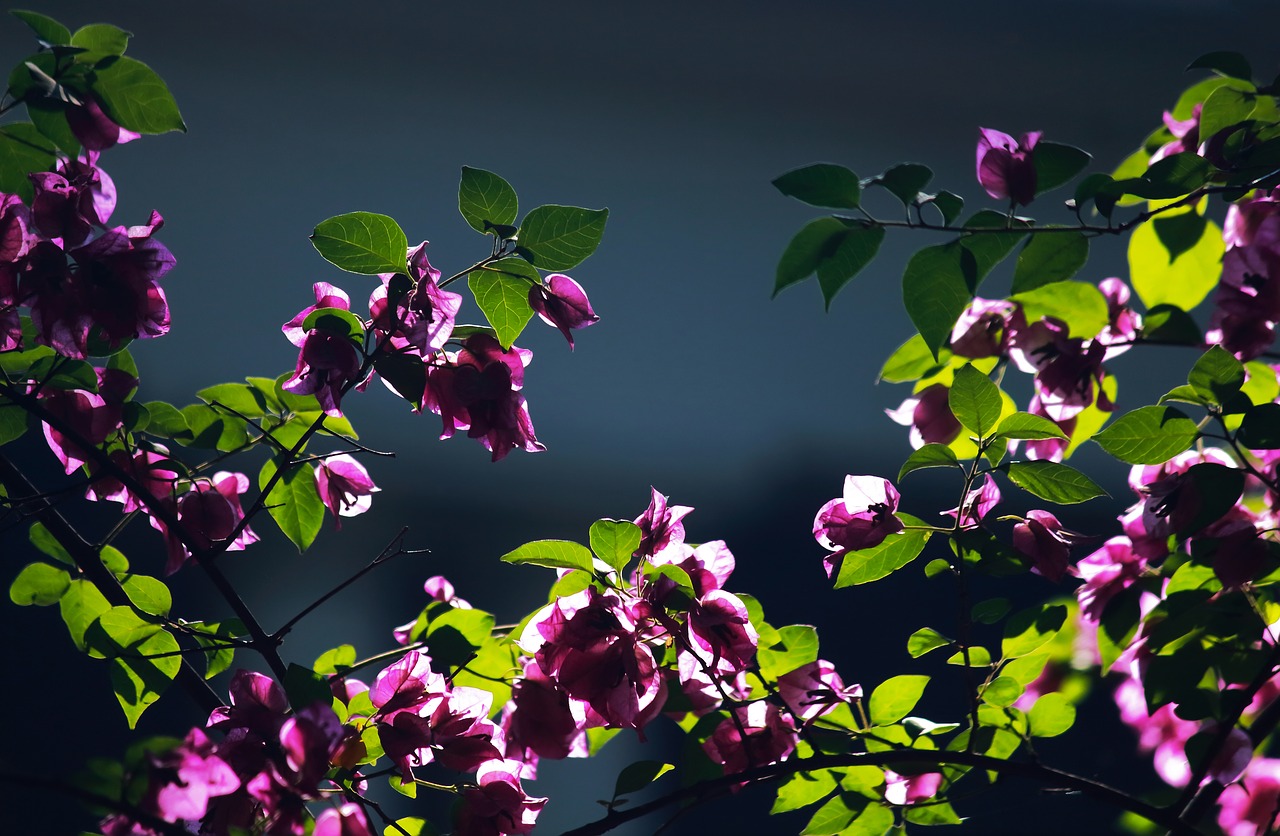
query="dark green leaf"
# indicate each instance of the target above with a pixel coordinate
(23, 150)
(46, 28)
(305, 687)
(935, 291)
(362, 242)
(1054, 482)
(814, 242)
(406, 374)
(1049, 258)
(991, 610)
(336, 321)
(485, 198)
(143, 672)
(502, 293)
(636, 776)
(822, 184)
(1056, 164)
(294, 502)
(925, 639)
(895, 698)
(831, 818)
(1229, 64)
(214, 430)
(949, 204)
(1179, 232)
(897, 550)
(1172, 176)
(615, 541)
(1101, 189)
(50, 118)
(975, 401)
(989, 248)
(1217, 375)
(167, 421)
(1024, 425)
(48, 544)
(1079, 304)
(13, 422)
(135, 97)
(1170, 324)
(1030, 629)
(1148, 435)
(910, 361)
(241, 397)
(554, 554)
(39, 584)
(1215, 489)
(905, 181)
(857, 246)
(930, 455)
(1260, 429)
(560, 237)
(100, 40)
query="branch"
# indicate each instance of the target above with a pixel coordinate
(1043, 774)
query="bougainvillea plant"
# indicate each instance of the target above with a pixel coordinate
(1174, 612)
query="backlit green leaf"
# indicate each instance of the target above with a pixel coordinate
(822, 184)
(560, 237)
(294, 502)
(485, 197)
(362, 242)
(135, 97)
(1049, 258)
(896, 697)
(1054, 482)
(1148, 435)
(554, 554)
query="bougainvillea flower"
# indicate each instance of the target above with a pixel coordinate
(1186, 135)
(69, 203)
(1068, 370)
(152, 469)
(981, 329)
(498, 804)
(719, 628)
(91, 416)
(16, 225)
(1043, 539)
(198, 775)
(1250, 807)
(479, 392)
(95, 129)
(910, 789)
(258, 703)
(327, 296)
(1248, 298)
(208, 513)
(560, 301)
(422, 320)
(1244, 218)
(660, 525)
(928, 414)
(345, 487)
(708, 567)
(406, 684)
(327, 363)
(542, 719)
(1006, 166)
(1123, 322)
(977, 503)
(1107, 572)
(860, 519)
(813, 690)
(770, 737)
(345, 820)
(1048, 449)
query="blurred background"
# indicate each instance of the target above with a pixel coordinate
(676, 116)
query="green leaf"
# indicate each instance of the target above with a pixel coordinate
(1079, 304)
(218, 657)
(935, 291)
(39, 584)
(1229, 64)
(23, 150)
(46, 28)
(13, 423)
(1217, 375)
(1056, 164)
(814, 242)
(305, 687)
(405, 373)
(796, 647)
(924, 640)
(897, 550)
(1030, 629)
(975, 401)
(930, 455)
(454, 637)
(294, 502)
(950, 205)
(1148, 435)
(81, 605)
(135, 97)
(48, 544)
(991, 610)
(1024, 425)
(1260, 429)
(336, 321)
(831, 818)
(857, 246)
(874, 820)
(147, 594)
(502, 293)
(214, 430)
(485, 199)
(100, 40)
(1049, 258)
(1225, 107)
(911, 361)
(50, 118)
(1262, 385)
(1054, 482)
(803, 789)
(1217, 488)
(990, 248)
(1170, 177)
(933, 814)
(822, 184)
(615, 541)
(553, 554)
(1002, 691)
(636, 776)
(335, 660)
(1052, 715)
(143, 672)
(1170, 324)
(1026, 669)
(895, 698)
(362, 242)
(243, 398)
(560, 237)
(167, 421)
(1160, 278)
(905, 181)
(410, 825)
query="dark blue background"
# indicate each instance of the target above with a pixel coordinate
(676, 116)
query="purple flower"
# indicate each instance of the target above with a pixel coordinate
(977, 503)
(1005, 165)
(498, 804)
(860, 519)
(1042, 538)
(770, 737)
(561, 302)
(345, 487)
(94, 129)
(813, 690)
(929, 416)
(422, 320)
(660, 524)
(327, 296)
(346, 820)
(479, 392)
(981, 329)
(208, 514)
(1248, 297)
